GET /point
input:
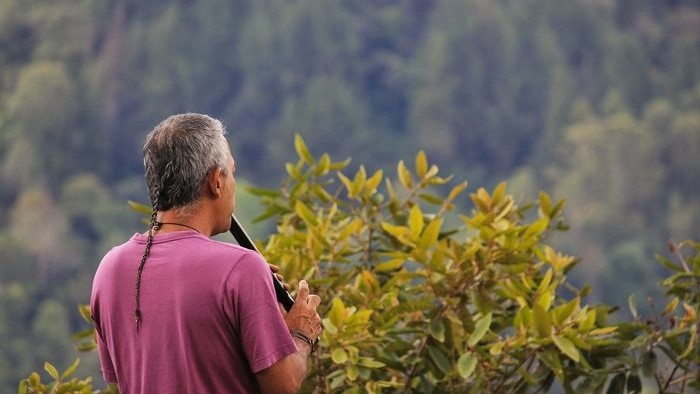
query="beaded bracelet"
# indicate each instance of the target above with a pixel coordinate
(311, 342)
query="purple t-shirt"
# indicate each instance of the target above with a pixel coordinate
(210, 319)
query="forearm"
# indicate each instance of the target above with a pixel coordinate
(287, 375)
(301, 361)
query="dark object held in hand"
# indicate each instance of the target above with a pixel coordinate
(245, 241)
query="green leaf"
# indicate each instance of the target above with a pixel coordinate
(415, 221)
(431, 233)
(305, 213)
(482, 200)
(480, 328)
(543, 325)
(404, 175)
(261, 192)
(347, 182)
(551, 359)
(87, 333)
(498, 193)
(337, 313)
(340, 165)
(546, 281)
(567, 347)
(374, 181)
(545, 204)
(669, 264)
(421, 164)
(70, 369)
(140, 208)
(324, 165)
(557, 208)
(86, 347)
(339, 356)
(563, 312)
(321, 193)
(329, 326)
(497, 348)
(437, 329)
(370, 363)
(431, 199)
(440, 360)
(398, 232)
(466, 365)
(48, 367)
(456, 191)
(589, 320)
(389, 265)
(23, 386)
(536, 228)
(431, 173)
(302, 149)
(292, 170)
(670, 307)
(359, 182)
(84, 310)
(632, 303)
(270, 212)
(352, 372)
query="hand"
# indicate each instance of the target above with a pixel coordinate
(303, 316)
(275, 269)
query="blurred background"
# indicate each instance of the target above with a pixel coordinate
(594, 101)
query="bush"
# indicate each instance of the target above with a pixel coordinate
(422, 296)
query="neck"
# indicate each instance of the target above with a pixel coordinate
(169, 221)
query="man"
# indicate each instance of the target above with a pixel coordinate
(177, 312)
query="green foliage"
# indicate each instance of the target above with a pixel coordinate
(60, 382)
(418, 301)
(33, 383)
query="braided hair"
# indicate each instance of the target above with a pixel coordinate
(154, 225)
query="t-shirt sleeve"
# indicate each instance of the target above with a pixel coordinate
(106, 365)
(265, 337)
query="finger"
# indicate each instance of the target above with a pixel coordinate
(303, 292)
(313, 301)
(274, 268)
(280, 277)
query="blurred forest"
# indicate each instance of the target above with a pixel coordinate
(594, 101)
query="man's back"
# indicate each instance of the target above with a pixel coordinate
(207, 307)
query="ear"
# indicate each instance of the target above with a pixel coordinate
(214, 182)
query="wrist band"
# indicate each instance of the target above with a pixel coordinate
(311, 342)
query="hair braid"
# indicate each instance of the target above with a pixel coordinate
(154, 225)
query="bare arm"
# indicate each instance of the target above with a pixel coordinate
(286, 375)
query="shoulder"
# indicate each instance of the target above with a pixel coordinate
(234, 252)
(117, 253)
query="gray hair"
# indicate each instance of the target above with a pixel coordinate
(177, 156)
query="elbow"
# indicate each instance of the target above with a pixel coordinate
(288, 386)
(285, 380)
(294, 381)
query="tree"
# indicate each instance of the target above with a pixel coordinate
(35, 93)
(613, 174)
(332, 113)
